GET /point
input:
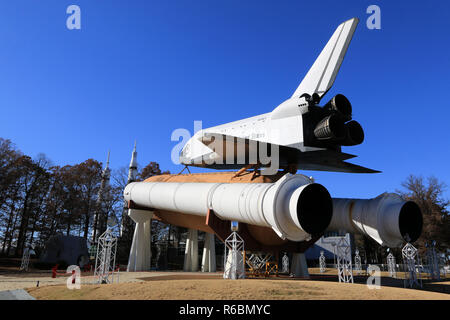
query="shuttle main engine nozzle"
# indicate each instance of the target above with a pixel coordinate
(355, 134)
(340, 104)
(294, 207)
(387, 219)
(331, 127)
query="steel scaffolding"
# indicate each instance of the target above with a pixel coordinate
(322, 262)
(234, 257)
(409, 253)
(25, 259)
(391, 265)
(106, 258)
(344, 261)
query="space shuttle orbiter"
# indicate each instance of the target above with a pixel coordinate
(306, 136)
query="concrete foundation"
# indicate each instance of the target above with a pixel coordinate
(234, 266)
(209, 254)
(191, 252)
(140, 253)
(298, 266)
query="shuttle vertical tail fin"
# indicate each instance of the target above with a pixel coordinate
(322, 74)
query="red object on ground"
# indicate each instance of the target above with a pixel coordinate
(54, 271)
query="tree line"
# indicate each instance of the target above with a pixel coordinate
(39, 200)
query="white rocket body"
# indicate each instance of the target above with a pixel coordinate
(387, 219)
(287, 206)
(294, 207)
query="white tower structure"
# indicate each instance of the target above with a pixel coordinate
(132, 169)
(126, 225)
(101, 216)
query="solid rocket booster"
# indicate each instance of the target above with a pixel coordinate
(294, 207)
(387, 219)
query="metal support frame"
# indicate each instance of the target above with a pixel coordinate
(234, 257)
(344, 261)
(271, 268)
(106, 258)
(409, 253)
(257, 263)
(357, 268)
(322, 262)
(391, 265)
(25, 259)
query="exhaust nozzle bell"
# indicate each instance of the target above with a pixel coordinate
(387, 219)
(340, 104)
(355, 134)
(331, 127)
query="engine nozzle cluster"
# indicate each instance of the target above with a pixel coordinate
(337, 126)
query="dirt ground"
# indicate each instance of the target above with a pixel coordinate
(211, 286)
(220, 289)
(21, 280)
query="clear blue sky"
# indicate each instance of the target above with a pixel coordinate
(140, 69)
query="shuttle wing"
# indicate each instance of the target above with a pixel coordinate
(320, 160)
(322, 74)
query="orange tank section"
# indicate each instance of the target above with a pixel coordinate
(217, 177)
(256, 238)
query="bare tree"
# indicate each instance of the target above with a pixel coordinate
(436, 218)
